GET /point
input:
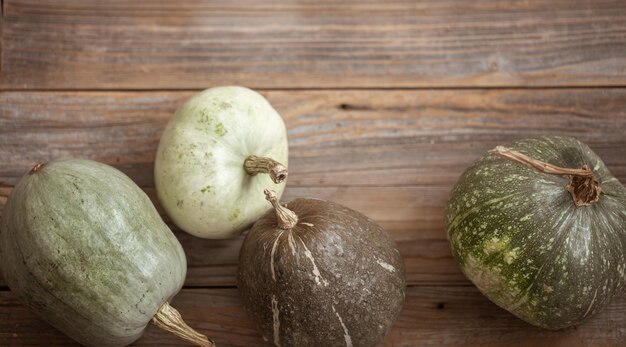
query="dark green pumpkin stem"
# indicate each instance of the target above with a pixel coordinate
(255, 165)
(287, 219)
(169, 319)
(583, 184)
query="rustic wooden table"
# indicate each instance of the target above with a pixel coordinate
(386, 103)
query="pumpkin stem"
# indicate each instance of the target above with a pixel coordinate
(169, 319)
(37, 168)
(287, 219)
(255, 165)
(583, 184)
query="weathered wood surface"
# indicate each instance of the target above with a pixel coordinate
(99, 80)
(186, 44)
(412, 215)
(432, 316)
(336, 138)
(394, 155)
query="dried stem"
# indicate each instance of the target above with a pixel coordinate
(36, 168)
(539, 165)
(583, 184)
(169, 319)
(287, 219)
(255, 165)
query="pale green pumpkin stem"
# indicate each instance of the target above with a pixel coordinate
(37, 168)
(169, 319)
(256, 165)
(287, 219)
(583, 184)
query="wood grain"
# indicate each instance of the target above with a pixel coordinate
(312, 44)
(352, 79)
(337, 138)
(394, 155)
(432, 316)
(413, 216)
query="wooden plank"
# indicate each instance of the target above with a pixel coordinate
(215, 312)
(312, 44)
(440, 132)
(1, 26)
(337, 138)
(432, 316)
(413, 216)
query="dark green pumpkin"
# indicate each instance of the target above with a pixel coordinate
(518, 234)
(86, 250)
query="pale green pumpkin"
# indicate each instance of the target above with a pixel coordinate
(85, 249)
(211, 164)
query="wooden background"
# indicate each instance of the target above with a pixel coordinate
(386, 103)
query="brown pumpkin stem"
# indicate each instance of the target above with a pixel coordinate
(583, 184)
(36, 168)
(287, 219)
(169, 319)
(255, 165)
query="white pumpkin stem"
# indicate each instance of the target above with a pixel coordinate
(256, 165)
(583, 184)
(169, 319)
(287, 219)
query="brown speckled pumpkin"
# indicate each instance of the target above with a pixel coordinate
(315, 273)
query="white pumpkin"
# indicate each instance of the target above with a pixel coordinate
(211, 164)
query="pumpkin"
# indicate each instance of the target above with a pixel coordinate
(315, 273)
(86, 250)
(539, 226)
(221, 148)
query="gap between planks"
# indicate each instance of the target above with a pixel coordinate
(304, 89)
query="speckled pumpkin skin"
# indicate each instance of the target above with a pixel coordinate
(86, 250)
(518, 235)
(335, 279)
(199, 174)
